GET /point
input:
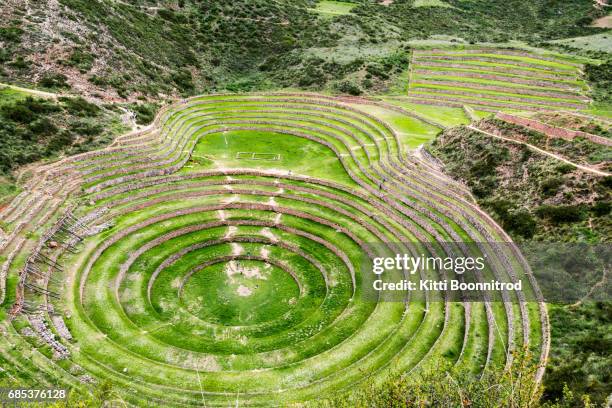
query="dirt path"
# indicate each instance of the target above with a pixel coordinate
(547, 153)
(603, 22)
(42, 94)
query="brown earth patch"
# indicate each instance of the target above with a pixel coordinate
(603, 22)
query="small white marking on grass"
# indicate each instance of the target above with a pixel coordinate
(277, 219)
(356, 147)
(236, 249)
(221, 215)
(235, 268)
(265, 252)
(269, 234)
(200, 384)
(231, 230)
(232, 199)
(227, 187)
(272, 202)
(244, 291)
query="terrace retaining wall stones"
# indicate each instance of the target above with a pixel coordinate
(552, 131)
(507, 89)
(523, 99)
(558, 71)
(501, 69)
(498, 51)
(499, 77)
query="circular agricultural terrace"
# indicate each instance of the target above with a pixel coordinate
(215, 257)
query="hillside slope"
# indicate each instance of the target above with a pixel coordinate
(531, 195)
(152, 49)
(538, 198)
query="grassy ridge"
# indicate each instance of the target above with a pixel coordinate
(504, 79)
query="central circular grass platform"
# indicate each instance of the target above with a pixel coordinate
(239, 292)
(227, 263)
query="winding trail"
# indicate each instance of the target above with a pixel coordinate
(36, 92)
(542, 151)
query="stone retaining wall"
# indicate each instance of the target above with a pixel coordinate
(553, 131)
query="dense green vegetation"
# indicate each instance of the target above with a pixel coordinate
(152, 48)
(600, 76)
(32, 129)
(262, 305)
(581, 345)
(445, 386)
(578, 150)
(538, 198)
(530, 195)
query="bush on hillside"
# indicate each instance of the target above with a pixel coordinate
(560, 213)
(80, 107)
(54, 81)
(600, 77)
(444, 385)
(550, 186)
(349, 87)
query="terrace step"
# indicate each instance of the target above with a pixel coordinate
(458, 101)
(416, 90)
(506, 89)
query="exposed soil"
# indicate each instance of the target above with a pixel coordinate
(603, 22)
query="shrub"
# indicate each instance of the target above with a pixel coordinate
(349, 87)
(59, 141)
(145, 112)
(560, 214)
(183, 80)
(10, 34)
(38, 106)
(80, 107)
(551, 185)
(84, 128)
(600, 77)
(445, 386)
(601, 208)
(18, 113)
(54, 81)
(20, 63)
(42, 126)
(606, 181)
(565, 168)
(81, 60)
(521, 223)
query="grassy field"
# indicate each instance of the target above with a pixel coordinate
(229, 258)
(8, 95)
(596, 42)
(430, 3)
(333, 8)
(266, 151)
